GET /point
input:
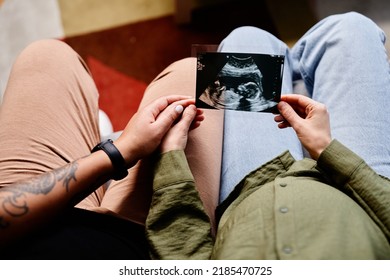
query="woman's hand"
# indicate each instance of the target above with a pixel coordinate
(177, 136)
(145, 131)
(309, 119)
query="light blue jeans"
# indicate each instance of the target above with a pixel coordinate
(344, 65)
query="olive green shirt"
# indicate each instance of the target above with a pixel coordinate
(333, 208)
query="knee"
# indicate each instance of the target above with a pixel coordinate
(354, 19)
(178, 77)
(45, 48)
(46, 54)
(353, 23)
(251, 39)
(184, 67)
(248, 33)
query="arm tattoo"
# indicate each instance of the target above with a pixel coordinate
(15, 204)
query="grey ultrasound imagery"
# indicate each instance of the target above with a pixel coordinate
(238, 81)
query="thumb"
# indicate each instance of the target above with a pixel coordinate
(288, 113)
(169, 116)
(187, 118)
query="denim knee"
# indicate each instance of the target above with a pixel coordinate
(252, 39)
(352, 23)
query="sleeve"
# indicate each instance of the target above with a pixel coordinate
(354, 177)
(177, 225)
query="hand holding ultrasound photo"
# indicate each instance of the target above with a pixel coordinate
(239, 81)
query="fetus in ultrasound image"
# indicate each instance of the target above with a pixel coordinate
(236, 82)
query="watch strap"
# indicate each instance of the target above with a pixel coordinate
(117, 160)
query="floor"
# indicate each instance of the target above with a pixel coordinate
(22, 22)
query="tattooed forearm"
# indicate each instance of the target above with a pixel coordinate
(15, 203)
(13, 198)
(43, 184)
(66, 174)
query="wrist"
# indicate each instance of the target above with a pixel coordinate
(320, 147)
(115, 156)
(129, 154)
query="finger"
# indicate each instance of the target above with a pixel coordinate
(189, 115)
(298, 102)
(195, 125)
(284, 124)
(199, 118)
(289, 115)
(184, 123)
(296, 99)
(160, 104)
(279, 118)
(179, 109)
(174, 98)
(199, 115)
(171, 114)
(199, 111)
(191, 118)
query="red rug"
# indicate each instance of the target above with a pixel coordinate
(120, 94)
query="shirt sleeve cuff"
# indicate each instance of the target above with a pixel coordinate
(171, 168)
(338, 162)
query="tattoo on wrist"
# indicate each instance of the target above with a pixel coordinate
(13, 199)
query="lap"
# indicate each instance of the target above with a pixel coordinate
(49, 114)
(344, 64)
(204, 148)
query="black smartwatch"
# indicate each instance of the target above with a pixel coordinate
(118, 162)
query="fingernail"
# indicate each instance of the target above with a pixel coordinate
(179, 109)
(281, 104)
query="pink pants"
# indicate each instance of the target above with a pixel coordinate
(49, 117)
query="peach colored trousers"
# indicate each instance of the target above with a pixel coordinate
(49, 117)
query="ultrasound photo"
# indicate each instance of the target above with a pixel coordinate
(239, 81)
